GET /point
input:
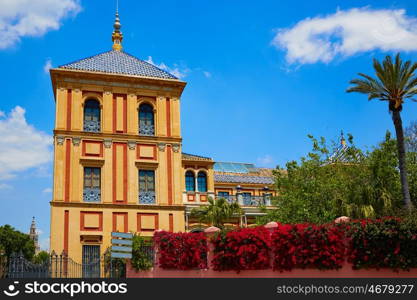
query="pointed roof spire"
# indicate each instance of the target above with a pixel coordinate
(342, 139)
(117, 35)
(33, 226)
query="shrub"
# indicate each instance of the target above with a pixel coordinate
(41, 258)
(308, 245)
(141, 256)
(182, 251)
(242, 249)
(383, 243)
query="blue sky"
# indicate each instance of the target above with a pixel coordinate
(258, 80)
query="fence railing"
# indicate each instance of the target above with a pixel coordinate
(62, 266)
(244, 200)
(149, 252)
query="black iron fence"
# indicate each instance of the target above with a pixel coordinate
(148, 252)
(62, 266)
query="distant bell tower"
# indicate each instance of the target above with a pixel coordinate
(34, 235)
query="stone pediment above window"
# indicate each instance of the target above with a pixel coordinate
(147, 164)
(92, 161)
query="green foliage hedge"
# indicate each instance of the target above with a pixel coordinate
(383, 243)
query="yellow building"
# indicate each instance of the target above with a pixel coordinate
(118, 163)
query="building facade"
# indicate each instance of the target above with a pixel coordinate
(118, 162)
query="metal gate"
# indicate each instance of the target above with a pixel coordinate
(62, 266)
(91, 261)
(19, 267)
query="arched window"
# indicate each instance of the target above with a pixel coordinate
(92, 116)
(189, 181)
(146, 120)
(202, 182)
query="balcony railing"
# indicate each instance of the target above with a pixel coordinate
(146, 197)
(91, 126)
(248, 200)
(146, 129)
(92, 195)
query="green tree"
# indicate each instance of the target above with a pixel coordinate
(14, 241)
(217, 212)
(411, 145)
(395, 82)
(323, 186)
(412, 175)
(141, 259)
(41, 258)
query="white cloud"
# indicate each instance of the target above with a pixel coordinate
(22, 146)
(47, 191)
(47, 66)
(266, 161)
(176, 71)
(4, 186)
(20, 18)
(207, 74)
(347, 32)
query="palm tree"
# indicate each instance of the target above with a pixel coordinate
(394, 82)
(216, 212)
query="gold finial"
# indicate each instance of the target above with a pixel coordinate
(342, 139)
(117, 35)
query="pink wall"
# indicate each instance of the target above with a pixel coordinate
(345, 272)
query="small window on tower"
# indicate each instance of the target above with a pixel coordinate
(92, 185)
(92, 116)
(146, 120)
(146, 186)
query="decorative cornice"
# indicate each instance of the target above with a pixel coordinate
(172, 87)
(124, 85)
(117, 136)
(117, 206)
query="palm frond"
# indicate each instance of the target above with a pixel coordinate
(394, 81)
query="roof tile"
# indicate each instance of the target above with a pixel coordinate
(118, 62)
